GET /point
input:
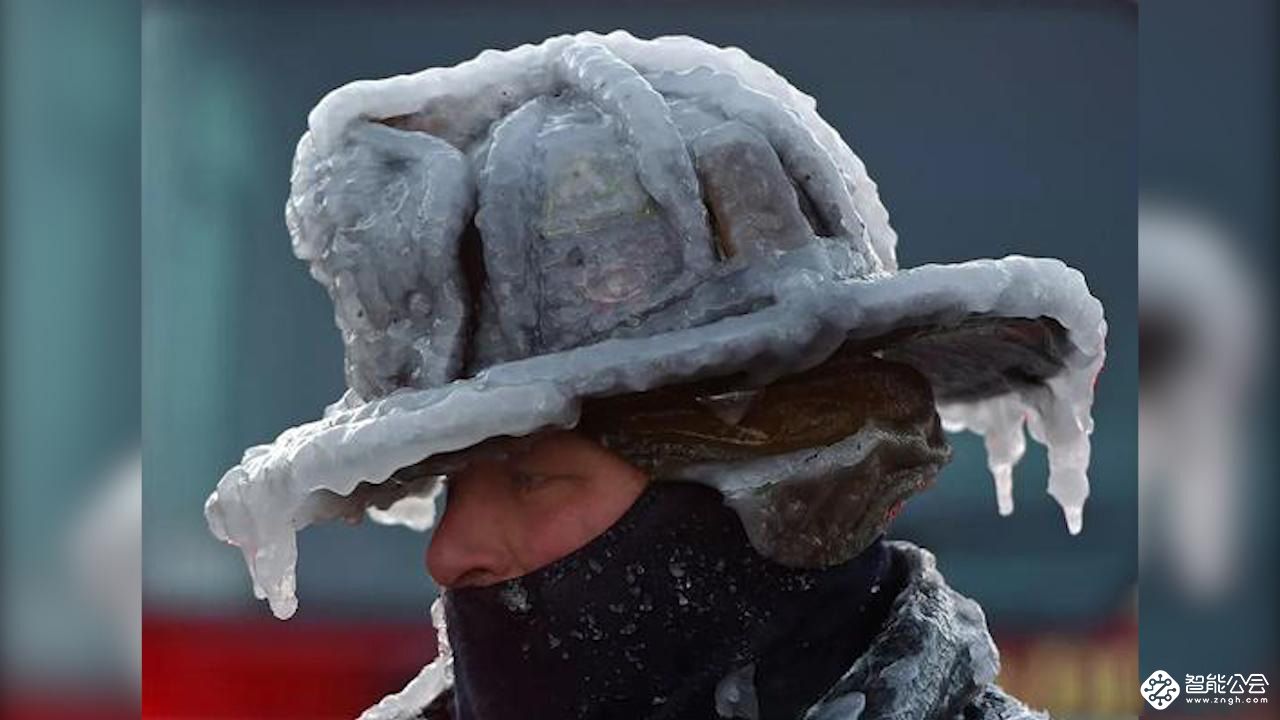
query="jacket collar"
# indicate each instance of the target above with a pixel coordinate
(933, 656)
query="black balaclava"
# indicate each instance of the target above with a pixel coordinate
(646, 620)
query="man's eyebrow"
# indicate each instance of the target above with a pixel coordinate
(538, 469)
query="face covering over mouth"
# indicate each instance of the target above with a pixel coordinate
(653, 616)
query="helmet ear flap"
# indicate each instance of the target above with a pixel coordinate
(816, 463)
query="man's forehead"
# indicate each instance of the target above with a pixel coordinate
(503, 448)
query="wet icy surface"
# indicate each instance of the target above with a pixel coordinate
(773, 495)
(434, 679)
(932, 655)
(257, 503)
(416, 511)
(560, 150)
(379, 226)
(736, 694)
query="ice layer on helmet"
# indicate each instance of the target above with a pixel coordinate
(773, 319)
(260, 504)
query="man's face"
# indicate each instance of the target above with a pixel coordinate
(507, 517)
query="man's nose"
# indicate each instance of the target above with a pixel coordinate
(468, 546)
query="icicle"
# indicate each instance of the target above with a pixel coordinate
(280, 488)
(999, 422)
(729, 407)
(416, 512)
(1063, 423)
(1056, 416)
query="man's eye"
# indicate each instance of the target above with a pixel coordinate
(528, 482)
(525, 481)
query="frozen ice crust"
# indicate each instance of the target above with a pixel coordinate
(284, 486)
(392, 171)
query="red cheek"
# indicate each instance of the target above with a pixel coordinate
(555, 533)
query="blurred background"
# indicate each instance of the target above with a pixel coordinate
(1208, 226)
(991, 128)
(69, 427)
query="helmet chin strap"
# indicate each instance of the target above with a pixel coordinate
(650, 618)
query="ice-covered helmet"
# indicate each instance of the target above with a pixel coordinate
(658, 241)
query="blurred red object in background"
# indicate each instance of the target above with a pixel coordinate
(234, 667)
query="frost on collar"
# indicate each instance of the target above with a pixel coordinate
(934, 658)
